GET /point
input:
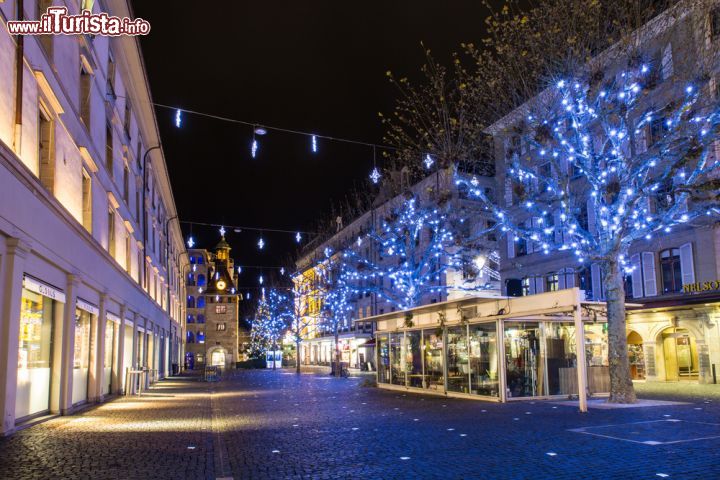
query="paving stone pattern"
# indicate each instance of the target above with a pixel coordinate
(277, 425)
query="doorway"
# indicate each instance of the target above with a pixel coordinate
(636, 356)
(680, 354)
(217, 358)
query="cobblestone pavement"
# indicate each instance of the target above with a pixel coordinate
(277, 425)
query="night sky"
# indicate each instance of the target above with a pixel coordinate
(315, 66)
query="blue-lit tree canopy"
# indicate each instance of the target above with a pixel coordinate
(597, 165)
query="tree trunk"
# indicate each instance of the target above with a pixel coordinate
(621, 386)
(297, 355)
(336, 367)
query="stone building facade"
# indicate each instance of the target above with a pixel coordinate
(357, 346)
(675, 333)
(91, 261)
(212, 304)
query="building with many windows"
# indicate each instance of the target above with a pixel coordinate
(675, 335)
(316, 270)
(91, 261)
(212, 334)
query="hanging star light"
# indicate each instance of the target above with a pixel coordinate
(222, 231)
(190, 242)
(254, 148)
(239, 270)
(261, 243)
(375, 175)
(359, 241)
(428, 161)
(261, 279)
(298, 237)
(475, 182)
(282, 270)
(327, 251)
(178, 118)
(314, 144)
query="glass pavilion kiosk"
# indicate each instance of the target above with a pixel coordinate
(498, 349)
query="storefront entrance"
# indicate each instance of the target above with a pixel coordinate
(680, 354)
(217, 358)
(81, 356)
(34, 355)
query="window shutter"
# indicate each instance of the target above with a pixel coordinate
(569, 277)
(649, 278)
(636, 276)
(508, 191)
(561, 279)
(686, 264)
(592, 220)
(510, 245)
(539, 284)
(596, 282)
(531, 285)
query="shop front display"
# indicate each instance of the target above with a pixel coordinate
(34, 370)
(81, 356)
(478, 350)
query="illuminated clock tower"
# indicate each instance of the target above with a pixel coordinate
(216, 340)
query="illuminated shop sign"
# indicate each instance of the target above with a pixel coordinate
(43, 289)
(701, 286)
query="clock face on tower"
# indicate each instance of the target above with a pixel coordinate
(221, 285)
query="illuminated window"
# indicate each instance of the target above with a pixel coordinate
(220, 327)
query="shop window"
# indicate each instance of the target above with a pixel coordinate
(191, 301)
(81, 356)
(190, 337)
(190, 318)
(201, 302)
(201, 318)
(34, 355)
(201, 280)
(670, 270)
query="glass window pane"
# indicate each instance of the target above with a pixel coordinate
(81, 356)
(457, 360)
(413, 359)
(384, 359)
(34, 361)
(433, 352)
(397, 360)
(522, 355)
(483, 360)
